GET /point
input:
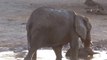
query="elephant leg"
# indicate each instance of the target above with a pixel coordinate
(74, 48)
(58, 51)
(31, 55)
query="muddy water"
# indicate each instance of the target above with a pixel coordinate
(45, 55)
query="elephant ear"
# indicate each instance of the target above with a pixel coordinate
(87, 23)
(80, 27)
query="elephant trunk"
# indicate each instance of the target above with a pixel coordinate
(87, 42)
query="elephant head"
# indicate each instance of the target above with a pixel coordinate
(82, 28)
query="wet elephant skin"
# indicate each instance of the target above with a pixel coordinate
(50, 27)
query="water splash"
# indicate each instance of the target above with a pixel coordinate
(48, 55)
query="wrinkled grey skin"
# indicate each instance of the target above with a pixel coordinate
(49, 27)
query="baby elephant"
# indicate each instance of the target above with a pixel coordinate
(50, 27)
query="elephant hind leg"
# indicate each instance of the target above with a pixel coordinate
(31, 55)
(58, 52)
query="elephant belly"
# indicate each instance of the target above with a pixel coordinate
(51, 36)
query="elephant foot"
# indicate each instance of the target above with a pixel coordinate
(58, 58)
(26, 58)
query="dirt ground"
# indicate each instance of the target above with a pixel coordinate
(15, 13)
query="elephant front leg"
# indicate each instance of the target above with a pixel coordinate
(58, 51)
(74, 48)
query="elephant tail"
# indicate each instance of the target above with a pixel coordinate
(28, 28)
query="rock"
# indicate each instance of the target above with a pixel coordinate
(93, 5)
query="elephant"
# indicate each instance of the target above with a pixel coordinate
(53, 27)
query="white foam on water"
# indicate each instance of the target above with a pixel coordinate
(8, 55)
(48, 55)
(45, 55)
(101, 56)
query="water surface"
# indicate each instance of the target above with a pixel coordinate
(46, 55)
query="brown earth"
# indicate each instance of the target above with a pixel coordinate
(15, 13)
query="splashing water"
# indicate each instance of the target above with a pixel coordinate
(48, 55)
